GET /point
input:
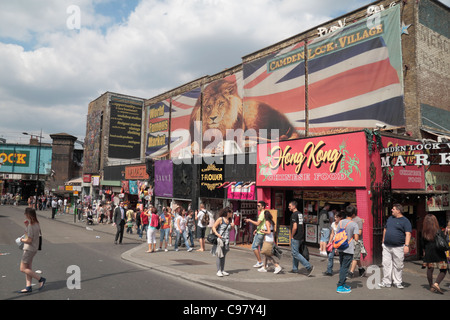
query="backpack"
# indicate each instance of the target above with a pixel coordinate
(205, 219)
(341, 241)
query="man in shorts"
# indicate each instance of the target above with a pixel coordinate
(203, 220)
(259, 235)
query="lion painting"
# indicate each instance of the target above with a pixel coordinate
(224, 109)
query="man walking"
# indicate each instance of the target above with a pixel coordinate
(298, 239)
(259, 235)
(395, 244)
(119, 221)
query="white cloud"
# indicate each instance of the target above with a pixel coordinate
(49, 74)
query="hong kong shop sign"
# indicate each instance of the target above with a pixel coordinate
(337, 161)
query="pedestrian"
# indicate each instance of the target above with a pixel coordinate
(119, 222)
(298, 239)
(152, 227)
(60, 205)
(203, 219)
(144, 221)
(324, 227)
(433, 257)
(130, 220)
(221, 229)
(30, 248)
(268, 243)
(346, 255)
(190, 226)
(138, 222)
(165, 221)
(101, 214)
(395, 244)
(359, 248)
(54, 207)
(181, 229)
(337, 217)
(258, 238)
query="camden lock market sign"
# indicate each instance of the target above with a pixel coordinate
(434, 153)
(211, 178)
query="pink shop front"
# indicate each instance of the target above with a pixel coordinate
(340, 169)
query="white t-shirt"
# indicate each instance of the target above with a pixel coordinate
(200, 217)
(182, 221)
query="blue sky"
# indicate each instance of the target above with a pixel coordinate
(49, 73)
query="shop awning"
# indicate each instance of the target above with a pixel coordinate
(110, 183)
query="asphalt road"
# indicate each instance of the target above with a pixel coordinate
(81, 266)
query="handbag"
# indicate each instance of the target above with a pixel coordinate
(441, 243)
(212, 238)
(276, 251)
(330, 247)
(304, 251)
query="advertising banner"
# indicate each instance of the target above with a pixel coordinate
(354, 79)
(336, 160)
(125, 128)
(158, 129)
(163, 178)
(211, 179)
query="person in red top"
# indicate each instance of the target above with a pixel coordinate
(144, 221)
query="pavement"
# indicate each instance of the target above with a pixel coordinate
(245, 282)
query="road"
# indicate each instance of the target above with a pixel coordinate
(70, 253)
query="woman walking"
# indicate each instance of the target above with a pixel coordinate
(30, 248)
(180, 228)
(268, 243)
(221, 228)
(433, 258)
(151, 233)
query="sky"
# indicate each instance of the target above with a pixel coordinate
(56, 56)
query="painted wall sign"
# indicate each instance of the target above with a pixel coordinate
(314, 162)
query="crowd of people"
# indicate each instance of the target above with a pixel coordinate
(179, 227)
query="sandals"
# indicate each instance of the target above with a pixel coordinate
(435, 288)
(42, 281)
(26, 290)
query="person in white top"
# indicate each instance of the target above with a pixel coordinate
(181, 230)
(268, 231)
(204, 219)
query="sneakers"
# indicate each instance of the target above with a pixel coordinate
(277, 269)
(343, 289)
(258, 265)
(189, 250)
(262, 269)
(383, 285)
(310, 271)
(219, 274)
(225, 273)
(399, 286)
(323, 253)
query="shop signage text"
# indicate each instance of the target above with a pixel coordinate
(401, 156)
(10, 158)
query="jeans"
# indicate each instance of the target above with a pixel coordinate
(257, 241)
(297, 257)
(330, 261)
(179, 235)
(163, 235)
(191, 236)
(345, 259)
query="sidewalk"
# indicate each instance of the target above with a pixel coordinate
(246, 282)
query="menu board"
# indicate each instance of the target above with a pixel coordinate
(284, 235)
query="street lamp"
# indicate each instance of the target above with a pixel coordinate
(38, 164)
